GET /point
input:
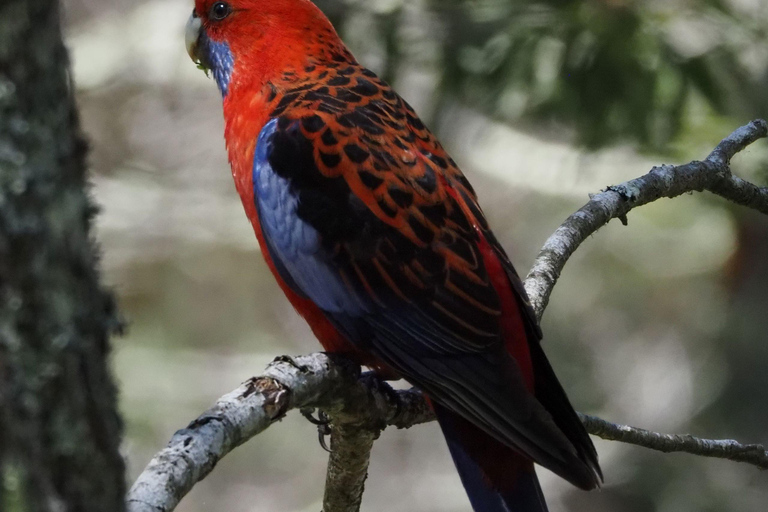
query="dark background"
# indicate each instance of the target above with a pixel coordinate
(661, 324)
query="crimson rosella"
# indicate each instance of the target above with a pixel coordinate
(378, 241)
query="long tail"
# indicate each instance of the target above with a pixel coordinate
(495, 477)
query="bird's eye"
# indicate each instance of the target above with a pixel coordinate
(220, 10)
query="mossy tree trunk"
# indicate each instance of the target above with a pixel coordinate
(59, 426)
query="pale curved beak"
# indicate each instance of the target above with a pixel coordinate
(192, 35)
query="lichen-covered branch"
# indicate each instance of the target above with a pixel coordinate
(353, 432)
(755, 454)
(348, 467)
(361, 407)
(712, 174)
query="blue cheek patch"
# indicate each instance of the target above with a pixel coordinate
(221, 61)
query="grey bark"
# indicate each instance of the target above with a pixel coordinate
(348, 467)
(360, 409)
(60, 430)
(754, 454)
(314, 381)
(712, 174)
(356, 423)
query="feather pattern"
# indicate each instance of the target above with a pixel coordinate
(496, 478)
(377, 239)
(370, 177)
(293, 243)
(367, 216)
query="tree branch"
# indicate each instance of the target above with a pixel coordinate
(348, 467)
(713, 174)
(362, 408)
(315, 381)
(754, 454)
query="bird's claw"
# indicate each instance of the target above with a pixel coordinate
(291, 361)
(376, 383)
(323, 423)
(322, 433)
(321, 420)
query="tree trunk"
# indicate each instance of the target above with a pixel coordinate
(59, 426)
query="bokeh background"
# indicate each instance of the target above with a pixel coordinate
(662, 324)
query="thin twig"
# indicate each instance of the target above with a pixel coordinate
(361, 408)
(616, 202)
(754, 454)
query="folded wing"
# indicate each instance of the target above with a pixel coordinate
(365, 214)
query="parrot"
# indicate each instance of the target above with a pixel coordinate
(378, 241)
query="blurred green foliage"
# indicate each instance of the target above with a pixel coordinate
(610, 70)
(10, 495)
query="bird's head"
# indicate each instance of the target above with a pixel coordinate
(248, 42)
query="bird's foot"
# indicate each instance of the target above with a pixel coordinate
(376, 383)
(321, 420)
(323, 423)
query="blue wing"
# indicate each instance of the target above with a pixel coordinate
(295, 246)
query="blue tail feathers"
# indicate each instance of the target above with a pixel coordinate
(520, 493)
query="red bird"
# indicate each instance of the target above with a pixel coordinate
(377, 239)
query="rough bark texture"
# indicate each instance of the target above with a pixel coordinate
(348, 467)
(314, 381)
(754, 454)
(360, 410)
(60, 426)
